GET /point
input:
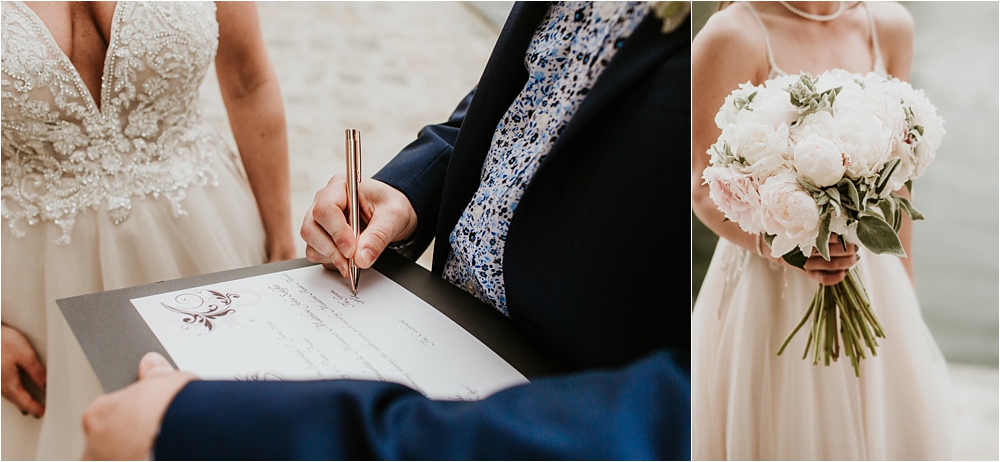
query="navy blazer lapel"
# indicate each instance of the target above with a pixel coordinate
(645, 48)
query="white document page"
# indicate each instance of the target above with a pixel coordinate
(304, 324)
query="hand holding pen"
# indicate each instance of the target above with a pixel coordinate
(384, 215)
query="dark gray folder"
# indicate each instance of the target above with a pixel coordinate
(114, 336)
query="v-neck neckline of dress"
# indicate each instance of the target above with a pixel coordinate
(109, 53)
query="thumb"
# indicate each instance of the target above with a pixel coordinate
(154, 364)
(381, 230)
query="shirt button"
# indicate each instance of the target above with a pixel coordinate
(470, 287)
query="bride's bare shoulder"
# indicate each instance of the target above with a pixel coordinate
(893, 20)
(895, 28)
(731, 31)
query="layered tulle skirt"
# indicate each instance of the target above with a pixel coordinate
(221, 230)
(748, 403)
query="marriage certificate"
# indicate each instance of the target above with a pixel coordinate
(305, 324)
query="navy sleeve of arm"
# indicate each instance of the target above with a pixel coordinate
(639, 412)
(419, 169)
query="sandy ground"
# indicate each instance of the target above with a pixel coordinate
(389, 68)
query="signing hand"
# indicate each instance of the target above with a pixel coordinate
(18, 355)
(833, 271)
(123, 425)
(330, 240)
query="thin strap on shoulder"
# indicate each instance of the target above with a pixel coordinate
(879, 66)
(775, 70)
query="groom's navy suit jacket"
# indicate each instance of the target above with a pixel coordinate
(595, 267)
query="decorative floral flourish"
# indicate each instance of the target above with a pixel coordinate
(203, 312)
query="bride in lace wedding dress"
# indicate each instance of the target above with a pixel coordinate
(112, 179)
(748, 403)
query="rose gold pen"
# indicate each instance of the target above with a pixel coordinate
(353, 144)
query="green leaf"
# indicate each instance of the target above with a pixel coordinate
(885, 174)
(823, 238)
(808, 186)
(833, 193)
(888, 211)
(878, 236)
(795, 258)
(908, 206)
(852, 193)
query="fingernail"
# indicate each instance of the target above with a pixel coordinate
(366, 257)
(344, 249)
(153, 359)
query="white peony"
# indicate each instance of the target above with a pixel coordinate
(819, 161)
(789, 213)
(771, 105)
(735, 102)
(847, 81)
(925, 115)
(752, 142)
(735, 194)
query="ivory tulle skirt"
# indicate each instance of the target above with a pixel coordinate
(222, 230)
(748, 403)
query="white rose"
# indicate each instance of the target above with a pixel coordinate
(790, 214)
(819, 161)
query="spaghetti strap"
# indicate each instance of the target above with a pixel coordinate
(775, 70)
(879, 66)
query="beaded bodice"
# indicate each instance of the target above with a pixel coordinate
(63, 154)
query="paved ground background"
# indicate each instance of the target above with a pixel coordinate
(389, 68)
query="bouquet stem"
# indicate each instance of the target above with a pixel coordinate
(842, 307)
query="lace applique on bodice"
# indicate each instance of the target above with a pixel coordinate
(63, 154)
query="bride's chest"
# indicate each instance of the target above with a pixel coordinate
(157, 55)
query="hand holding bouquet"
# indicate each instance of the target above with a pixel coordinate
(801, 158)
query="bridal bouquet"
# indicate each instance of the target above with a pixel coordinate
(803, 157)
